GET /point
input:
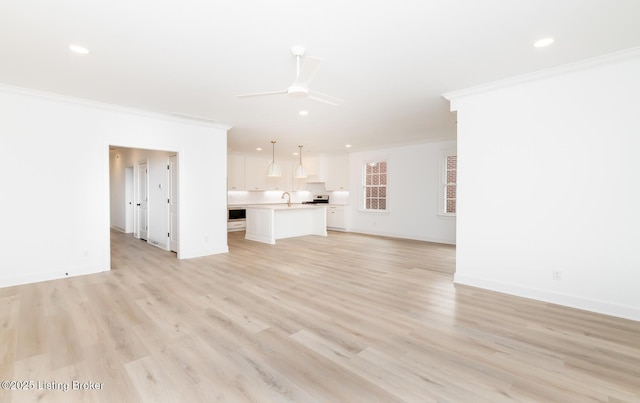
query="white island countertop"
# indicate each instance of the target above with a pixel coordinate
(268, 222)
(283, 206)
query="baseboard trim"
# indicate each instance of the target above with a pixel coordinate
(119, 229)
(572, 301)
(40, 277)
(401, 236)
(218, 251)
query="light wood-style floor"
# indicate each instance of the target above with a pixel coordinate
(343, 318)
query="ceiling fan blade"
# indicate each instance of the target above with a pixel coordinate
(328, 99)
(308, 70)
(323, 100)
(259, 94)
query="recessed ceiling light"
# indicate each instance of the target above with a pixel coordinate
(347, 145)
(303, 113)
(79, 49)
(541, 43)
(258, 149)
(295, 153)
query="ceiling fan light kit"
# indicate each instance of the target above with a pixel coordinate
(300, 87)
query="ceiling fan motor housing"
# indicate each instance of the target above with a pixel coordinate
(298, 50)
(297, 91)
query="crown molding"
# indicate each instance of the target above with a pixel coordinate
(176, 117)
(542, 74)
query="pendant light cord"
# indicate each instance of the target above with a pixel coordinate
(273, 152)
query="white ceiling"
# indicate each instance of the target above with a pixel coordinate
(389, 61)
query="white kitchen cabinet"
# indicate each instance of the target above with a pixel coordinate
(282, 183)
(336, 217)
(236, 226)
(316, 167)
(337, 172)
(266, 223)
(255, 173)
(250, 173)
(235, 172)
(300, 184)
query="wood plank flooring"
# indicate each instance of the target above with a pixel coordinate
(343, 318)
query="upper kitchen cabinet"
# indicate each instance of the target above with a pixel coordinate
(283, 182)
(235, 172)
(255, 173)
(300, 184)
(337, 177)
(316, 167)
(245, 172)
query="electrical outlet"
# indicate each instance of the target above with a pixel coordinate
(556, 275)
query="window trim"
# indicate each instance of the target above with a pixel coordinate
(442, 184)
(363, 188)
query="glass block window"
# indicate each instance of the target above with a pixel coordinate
(375, 185)
(450, 181)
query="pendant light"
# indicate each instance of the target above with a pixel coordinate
(273, 170)
(300, 172)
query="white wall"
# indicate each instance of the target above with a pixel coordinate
(55, 182)
(117, 190)
(413, 192)
(548, 180)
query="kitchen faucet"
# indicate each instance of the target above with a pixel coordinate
(288, 199)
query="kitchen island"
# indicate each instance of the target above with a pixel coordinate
(268, 222)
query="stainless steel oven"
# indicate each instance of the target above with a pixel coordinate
(236, 213)
(236, 218)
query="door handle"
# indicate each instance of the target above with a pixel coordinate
(138, 204)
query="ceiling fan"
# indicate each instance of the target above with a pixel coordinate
(300, 87)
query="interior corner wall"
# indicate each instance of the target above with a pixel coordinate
(548, 181)
(413, 193)
(56, 171)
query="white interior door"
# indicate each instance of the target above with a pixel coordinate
(173, 203)
(128, 199)
(143, 200)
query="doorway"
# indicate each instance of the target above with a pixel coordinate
(145, 195)
(173, 203)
